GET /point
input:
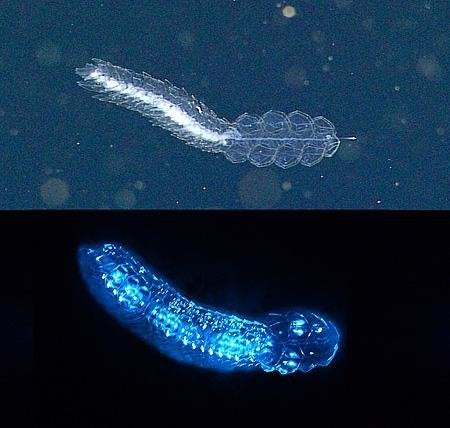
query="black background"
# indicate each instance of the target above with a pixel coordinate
(382, 277)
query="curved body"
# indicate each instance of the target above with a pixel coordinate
(188, 332)
(275, 138)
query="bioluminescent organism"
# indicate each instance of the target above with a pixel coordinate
(276, 137)
(191, 333)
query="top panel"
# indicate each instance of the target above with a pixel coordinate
(315, 105)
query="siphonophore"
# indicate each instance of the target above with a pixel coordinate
(275, 138)
(151, 308)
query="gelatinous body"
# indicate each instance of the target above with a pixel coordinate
(188, 332)
(275, 138)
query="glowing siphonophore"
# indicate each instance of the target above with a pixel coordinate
(185, 331)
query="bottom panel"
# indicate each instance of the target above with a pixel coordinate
(251, 314)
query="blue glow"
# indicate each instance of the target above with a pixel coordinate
(194, 334)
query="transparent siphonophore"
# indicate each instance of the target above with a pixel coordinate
(275, 138)
(155, 311)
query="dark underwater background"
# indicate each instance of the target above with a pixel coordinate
(376, 70)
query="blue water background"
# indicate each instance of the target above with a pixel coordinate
(377, 70)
